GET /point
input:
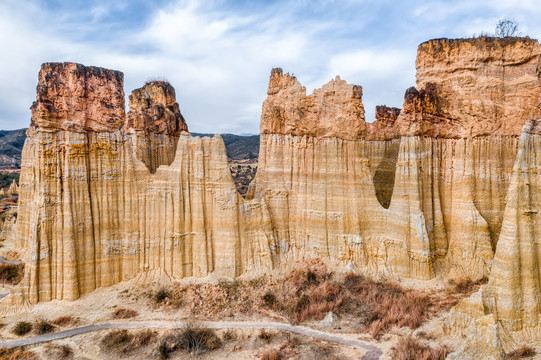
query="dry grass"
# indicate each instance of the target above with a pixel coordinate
(17, 354)
(265, 336)
(387, 304)
(410, 349)
(521, 353)
(271, 354)
(44, 327)
(54, 351)
(124, 342)
(193, 338)
(64, 321)
(11, 274)
(309, 292)
(229, 335)
(22, 328)
(124, 313)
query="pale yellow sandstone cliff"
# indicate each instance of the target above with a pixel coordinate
(100, 204)
(512, 296)
(91, 214)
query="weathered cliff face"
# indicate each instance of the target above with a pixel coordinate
(335, 110)
(76, 98)
(474, 87)
(428, 192)
(91, 214)
(154, 123)
(511, 297)
(413, 206)
(384, 126)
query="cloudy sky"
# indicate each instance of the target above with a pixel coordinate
(218, 53)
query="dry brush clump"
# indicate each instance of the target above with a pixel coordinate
(271, 354)
(64, 321)
(54, 351)
(411, 349)
(22, 328)
(17, 354)
(11, 273)
(124, 313)
(193, 338)
(44, 327)
(309, 292)
(521, 353)
(124, 342)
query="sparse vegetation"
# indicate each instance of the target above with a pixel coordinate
(162, 295)
(22, 328)
(124, 313)
(17, 354)
(44, 327)
(522, 352)
(229, 335)
(124, 342)
(54, 351)
(193, 338)
(269, 299)
(271, 354)
(196, 338)
(63, 321)
(11, 273)
(265, 336)
(309, 292)
(507, 28)
(410, 349)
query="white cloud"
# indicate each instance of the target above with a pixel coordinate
(218, 54)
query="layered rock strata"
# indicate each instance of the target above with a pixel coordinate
(412, 206)
(511, 297)
(91, 214)
(154, 123)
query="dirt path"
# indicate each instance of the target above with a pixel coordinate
(373, 352)
(4, 261)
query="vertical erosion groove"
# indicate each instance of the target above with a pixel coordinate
(384, 176)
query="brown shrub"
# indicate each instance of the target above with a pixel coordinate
(522, 352)
(264, 335)
(63, 321)
(389, 304)
(143, 338)
(229, 335)
(124, 314)
(271, 354)
(11, 273)
(408, 349)
(54, 351)
(44, 327)
(22, 328)
(197, 339)
(124, 342)
(17, 354)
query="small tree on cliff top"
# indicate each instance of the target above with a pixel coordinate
(506, 28)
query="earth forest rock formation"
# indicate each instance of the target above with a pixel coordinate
(446, 187)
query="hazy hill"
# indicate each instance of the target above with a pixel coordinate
(11, 145)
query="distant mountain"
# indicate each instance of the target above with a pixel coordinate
(238, 147)
(11, 146)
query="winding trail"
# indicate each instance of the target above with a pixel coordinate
(4, 261)
(373, 352)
